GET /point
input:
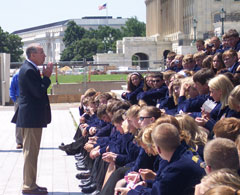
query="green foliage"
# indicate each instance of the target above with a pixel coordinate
(79, 78)
(73, 33)
(81, 43)
(134, 28)
(10, 43)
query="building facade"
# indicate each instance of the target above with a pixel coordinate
(169, 26)
(50, 36)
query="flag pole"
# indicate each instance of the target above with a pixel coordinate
(107, 13)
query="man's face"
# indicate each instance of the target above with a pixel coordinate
(188, 64)
(229, 61)
(216, 43)
(202, 89)
(232, 41)
(106, 118)
(157, 82)
(198, 61)
(39, 57)
(169, 60)
(199, 46)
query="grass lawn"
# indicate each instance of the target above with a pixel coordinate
(79, 78)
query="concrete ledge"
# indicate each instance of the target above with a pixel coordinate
(79, 88)
(64, 98)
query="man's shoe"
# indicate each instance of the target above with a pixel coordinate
(19, 146)
(85, 171)
(81, 167)
(63, 148)
(83, 175)
(96, 192)
(35, 191)
(80, 163)
(85, 182)
(42, 188)
(89, 189)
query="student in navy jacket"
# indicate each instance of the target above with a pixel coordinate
(193, 105)
(134, 87)
(33, 112)
(230, 59)
(158, 92)
(181, 173)
(233, 39)
(220, 88)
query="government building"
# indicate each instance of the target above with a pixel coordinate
(50, 36)
(172, 25)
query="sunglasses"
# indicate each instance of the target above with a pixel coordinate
(141, 118)
(156, 81)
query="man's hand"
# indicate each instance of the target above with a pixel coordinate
(47, 71)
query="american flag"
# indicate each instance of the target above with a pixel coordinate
(101, 7)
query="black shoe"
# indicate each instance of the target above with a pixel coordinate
(80, 163)
(63, 148)
(83, 175)
(84, 171)
(96, 192)
(85, 182)
(89, 189)
(79, 156)
(82, 168)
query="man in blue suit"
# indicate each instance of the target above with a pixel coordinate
(33, 113)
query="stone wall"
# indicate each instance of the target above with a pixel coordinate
(73, 88)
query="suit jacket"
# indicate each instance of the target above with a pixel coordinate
(34, 109)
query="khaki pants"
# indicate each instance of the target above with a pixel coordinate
(31, 146)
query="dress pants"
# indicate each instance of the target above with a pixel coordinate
(31, 146)
(18, 133)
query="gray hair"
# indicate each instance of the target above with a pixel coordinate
(33, 48)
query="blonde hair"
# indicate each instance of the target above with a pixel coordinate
(221, 82)
(200, 54)
(220, 177)
(133, 111)
(189, 126)
(234, 97)
(147, 138)
(222, 190)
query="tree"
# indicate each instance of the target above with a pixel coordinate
(80, 49)
(81, 43)
(10, 43)
(73, 33)
(134, 28)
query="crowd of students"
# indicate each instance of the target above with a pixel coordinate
(173, 132)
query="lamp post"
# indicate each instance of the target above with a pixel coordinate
(222, 16)
(194, 30)
(106, 41)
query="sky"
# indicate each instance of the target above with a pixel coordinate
(21, 14)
